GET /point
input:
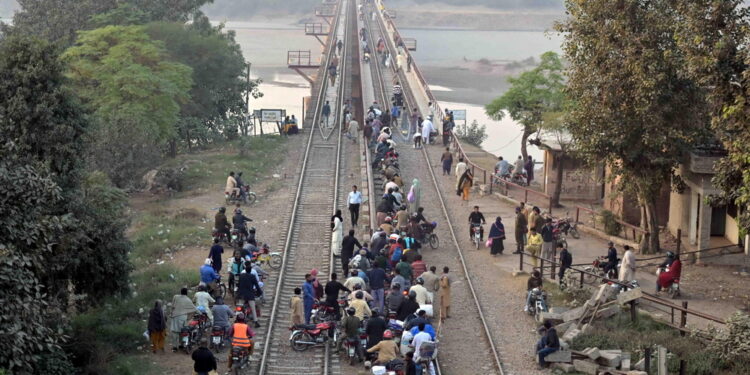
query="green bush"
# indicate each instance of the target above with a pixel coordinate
(611, 226)
(473, 134)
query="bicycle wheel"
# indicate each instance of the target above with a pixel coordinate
(574, 233)
(222, 290)
(275, 261)
(434, 241)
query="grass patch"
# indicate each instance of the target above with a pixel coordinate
(158, 233)
(211, 169)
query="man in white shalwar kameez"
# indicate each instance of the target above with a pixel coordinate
(627, 268)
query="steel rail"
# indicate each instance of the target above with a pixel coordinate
(296, 205)
(407, 89)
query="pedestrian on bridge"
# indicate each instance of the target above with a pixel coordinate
(337, 235)
(447, 160)
(353, 129)
(326, 111)
(445, 294)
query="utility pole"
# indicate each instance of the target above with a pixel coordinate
(247, 97)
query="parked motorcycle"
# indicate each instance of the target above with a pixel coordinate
(596, 270)
(237, 238)
(567, 226)
(305, 336)
(246, 196)
(323, 313)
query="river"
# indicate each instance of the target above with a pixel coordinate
(440, 55)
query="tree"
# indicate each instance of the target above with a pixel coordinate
(218, 68)
(531, 95)
(556, 127)
(635, 110)
(135, 95)
(60, 20)
(714, 36)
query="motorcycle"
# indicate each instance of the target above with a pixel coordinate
(323, 313)
(191, 334)
(240, 359)
(596, 270)
(247, 310)
(221, 236)
(567, 226)
(246, 196)
(429, 235)
(350, 345)
(673, 290)
(218, 336)
(476, 234)
(520, 179)
(221, 289)
(237, 238)
(538, 302)
(305, 336)
(559, 237)
(367, 58)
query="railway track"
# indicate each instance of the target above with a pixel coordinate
(381, 89)
(307, 241)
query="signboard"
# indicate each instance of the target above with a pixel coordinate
(459, 114)
(272, 115)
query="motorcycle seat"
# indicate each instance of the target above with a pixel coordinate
(305, 326)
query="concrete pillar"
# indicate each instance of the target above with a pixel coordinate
(704, 228)
(693, 218)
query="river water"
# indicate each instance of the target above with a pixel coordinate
(265, 44)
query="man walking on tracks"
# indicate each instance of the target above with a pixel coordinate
(326, 112)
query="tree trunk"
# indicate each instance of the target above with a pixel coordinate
(650, 241)
(524, 141)
(560, 160)
(173, 148)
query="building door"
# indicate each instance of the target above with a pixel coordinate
(718, 220)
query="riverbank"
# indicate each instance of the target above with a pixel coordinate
(476, 19)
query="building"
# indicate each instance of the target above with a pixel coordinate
(702, 225)
(580, 182)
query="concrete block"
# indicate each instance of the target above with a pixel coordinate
(586, 328)
(558, 309)
(586, 367)
(640, 365)
(573, 314)
(611, 358)
(603, 293)
(559, 356)
(630, 295)
(564, 367)
(625, 363)
(563, 327)
(636, 373)
(609, 311)
(564, 345)
(592, 353)
(571, 334)
(554, 318)
(607, 370)
(516, 273)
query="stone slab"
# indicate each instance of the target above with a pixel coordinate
(611, 358)
(571, 334)
(554, 318)
(630, 295)
(559, 356)
(564, 367)
(573, 314)
(586, 367)
(609, 311)
(592, 353)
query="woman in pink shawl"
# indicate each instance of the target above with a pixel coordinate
(317, 286)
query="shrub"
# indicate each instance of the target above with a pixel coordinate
(473, 134)
(611, 226)
(731, 342)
